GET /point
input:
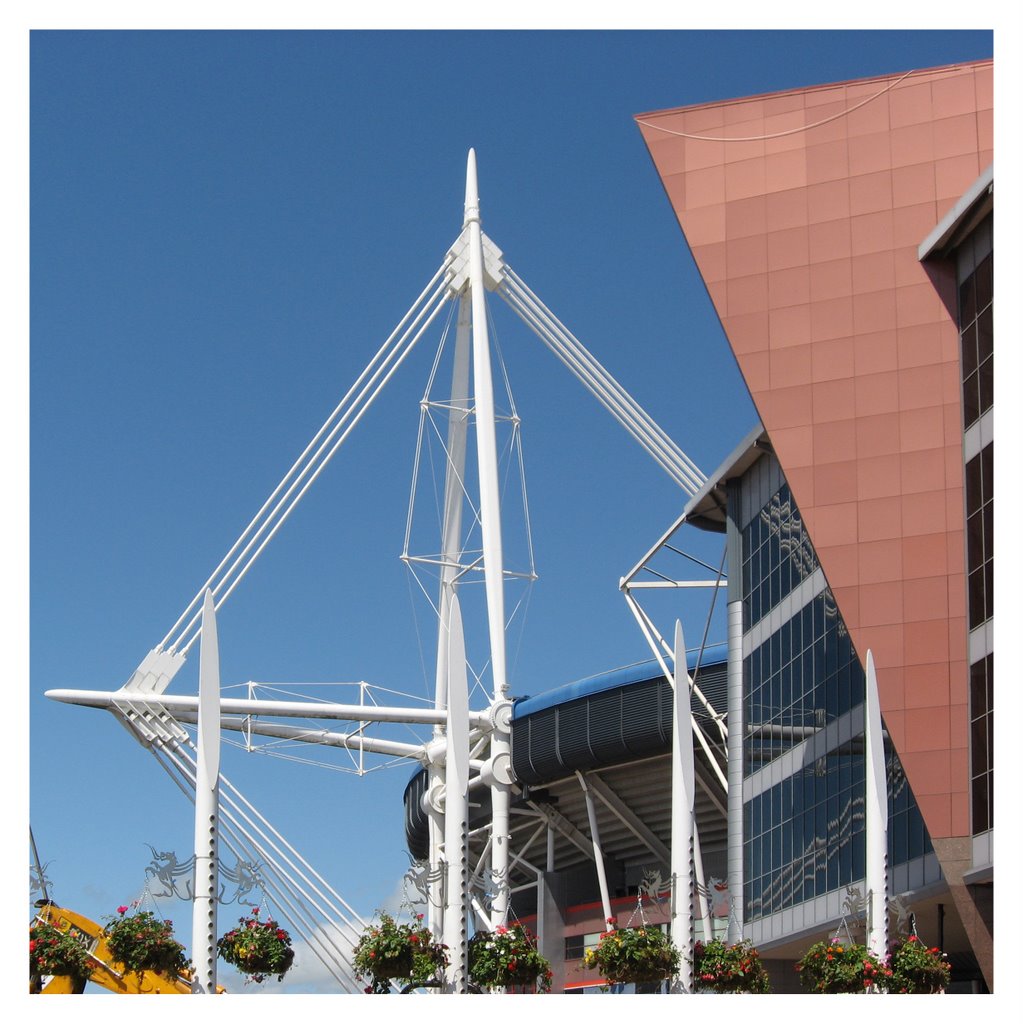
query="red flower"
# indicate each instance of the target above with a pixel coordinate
(122, 910)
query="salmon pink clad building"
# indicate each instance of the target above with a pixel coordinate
(844, 234)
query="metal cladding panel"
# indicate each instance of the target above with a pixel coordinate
(805, 212)
(540, 748)
(607, 726)
(417, 832)
(573, 735)
(644, 719)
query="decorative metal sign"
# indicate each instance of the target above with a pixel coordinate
(493, 885)
(718, 898)
(425, 880)
(653, 887)
(176, 877)
(38, 880)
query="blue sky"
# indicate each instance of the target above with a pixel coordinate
(225, 226)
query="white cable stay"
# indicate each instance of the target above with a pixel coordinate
(314, 910)
(600, 383)
(313, 459)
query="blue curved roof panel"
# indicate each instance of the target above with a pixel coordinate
(713, 654)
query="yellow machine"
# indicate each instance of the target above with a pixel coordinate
(106, 971)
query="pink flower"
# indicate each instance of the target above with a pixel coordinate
(122, 910)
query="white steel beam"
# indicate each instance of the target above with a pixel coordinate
(598, 852)
(207, 811)
(683, 796)
(456, 808)
(617, 806)
(876, 818)
(269, 708)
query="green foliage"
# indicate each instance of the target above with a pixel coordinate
(55, 952)
(840, 967)
(915, 968)
(142, 942)
(638, 955)
(259, 949)
(721, 968)
(406, 952)
(507, 957)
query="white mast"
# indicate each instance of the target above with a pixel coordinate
(876, 818)
(683, 797)
(207, 778)
(456, 808)
(450, 552)
(490, 527)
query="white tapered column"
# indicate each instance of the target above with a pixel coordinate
(490, 526)
(683, 797)
(736, 731)
(450, 554)
(486, 437)
(207, 778)
(456, 807)
(876, 818)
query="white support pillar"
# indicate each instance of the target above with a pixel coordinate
(736, 731)
(701, 885)
(207, 779)
(486, 437)
(490, 521)
(683, 796)
(456, 809)
(598, 853)
(498, 773)
(451, 529)
(876, 818)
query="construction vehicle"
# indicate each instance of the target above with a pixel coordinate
(106, 971)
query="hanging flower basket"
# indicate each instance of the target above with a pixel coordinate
(840, 967)
(142, 942)
(55, 952)
(508, 958)
(641, 955)
(915, 968)
(258, 949)
(718, 967)
(406, 952)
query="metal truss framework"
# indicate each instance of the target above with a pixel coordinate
(467, 749)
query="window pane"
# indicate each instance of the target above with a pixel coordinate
(967, 300)
(969, 343)
(985, 335)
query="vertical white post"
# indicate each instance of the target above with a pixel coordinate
(876, 818)
(701, 886)
(207, 778)
(456, 807)
(736, 730)
(598, 852)
(683, 795)
(490, 524)
(451, 529)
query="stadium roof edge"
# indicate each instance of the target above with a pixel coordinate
(713, 654)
